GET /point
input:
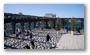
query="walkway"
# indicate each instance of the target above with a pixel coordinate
(69, 41)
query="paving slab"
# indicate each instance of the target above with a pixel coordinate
(69, 41)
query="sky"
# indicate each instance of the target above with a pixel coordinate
(61, 10)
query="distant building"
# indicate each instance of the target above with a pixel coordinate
(20, 13)
(50, 15)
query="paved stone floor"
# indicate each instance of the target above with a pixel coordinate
(69, 41)
(59, 40)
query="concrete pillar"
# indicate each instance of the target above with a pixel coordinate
(13, 27)
(34, 24)
(29, 25)
(54, 23)
(46, 24)
(22, 24)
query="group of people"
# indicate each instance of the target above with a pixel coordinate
(29, 33)
(32, 46)
(23, 34)
(69, 29)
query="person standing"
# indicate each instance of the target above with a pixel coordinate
(48, 38)
(30, 35)
(78, 30)
(17, 34)
(67, 29)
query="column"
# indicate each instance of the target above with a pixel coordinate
(34, 24)
(13, 27)
(54, 23)
(46, 24)
(22, 23)
(29, 25)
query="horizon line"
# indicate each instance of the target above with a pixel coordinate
(43, 16)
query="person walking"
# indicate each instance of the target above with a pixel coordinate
(48, 38)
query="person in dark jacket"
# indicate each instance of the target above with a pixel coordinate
(27, 33)
(78, 30)
(48, 37)
(30, 35)
(67, 29)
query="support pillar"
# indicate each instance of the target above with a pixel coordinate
(54, 23)
(22, 24)
(29, 25)
(13, 27)
(34, 24)
(46, 24)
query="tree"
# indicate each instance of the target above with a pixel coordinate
(58, 24)
(73, 26)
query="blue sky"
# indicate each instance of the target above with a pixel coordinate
(61, 10)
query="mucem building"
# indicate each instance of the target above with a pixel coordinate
(19, 28)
